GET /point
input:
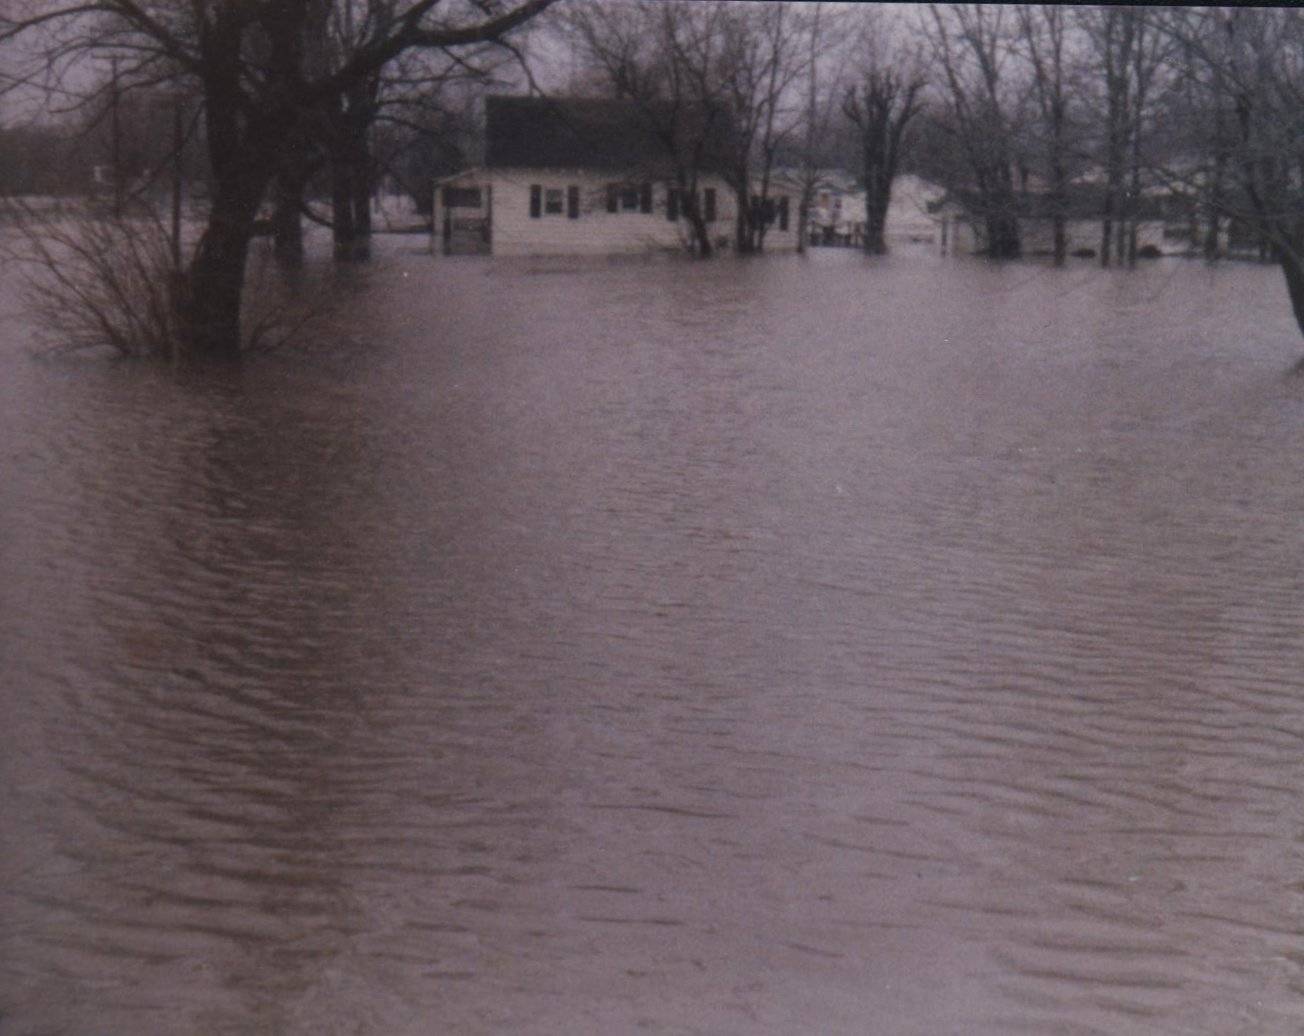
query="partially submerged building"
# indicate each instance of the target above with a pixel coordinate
(584, 177)
(961, 218)
(838, 212)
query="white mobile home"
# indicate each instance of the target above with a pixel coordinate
(583, 177)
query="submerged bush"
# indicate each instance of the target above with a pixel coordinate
(96, 281)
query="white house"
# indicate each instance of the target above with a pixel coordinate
(910, 213)
(583, 177)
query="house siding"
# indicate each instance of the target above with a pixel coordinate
(965, 236)
(593, 229)
(1038, 235)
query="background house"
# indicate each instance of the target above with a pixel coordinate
(838, 211)
(963, 230)
(582, 177)
(834, 216)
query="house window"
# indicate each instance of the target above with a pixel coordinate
(554, 201)
(629, 197)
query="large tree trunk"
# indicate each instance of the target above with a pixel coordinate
(243, 149)
(701, 235)
(287, 223)
(350, 182)
(214, 283)
(344, 229)
(360, 183)
(690, 200)
(743, 235)
(1212, 244)
(878, 195)
(362, 190)
(1111, 219)
(1002, 218)
(996, 187)
(1003, 236)
(1133, 205)
(875, 226)
(1059, 221)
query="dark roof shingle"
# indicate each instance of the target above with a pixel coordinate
(568, 133)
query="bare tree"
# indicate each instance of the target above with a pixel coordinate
(659, 57)
(1249, 64)
(969, 47)
(1128, 55)
(1199, 123)
(824, 74)
(882, 106)
(1042, 43)
(758, 65)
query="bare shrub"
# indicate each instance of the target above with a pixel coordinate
(99, 281)
(94, 280)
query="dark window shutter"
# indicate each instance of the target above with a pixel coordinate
(573, 202)
(672, 203)
(613, 197)
(783, 213)
(536, 201)
(645, 198)
(709, 215)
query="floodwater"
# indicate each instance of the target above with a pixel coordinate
(822, 645)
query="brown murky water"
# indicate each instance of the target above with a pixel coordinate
(904, 647)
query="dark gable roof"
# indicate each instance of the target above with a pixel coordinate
(568, 133)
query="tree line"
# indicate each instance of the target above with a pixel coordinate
(1198, 111)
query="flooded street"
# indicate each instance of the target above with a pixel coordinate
(826, 645)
